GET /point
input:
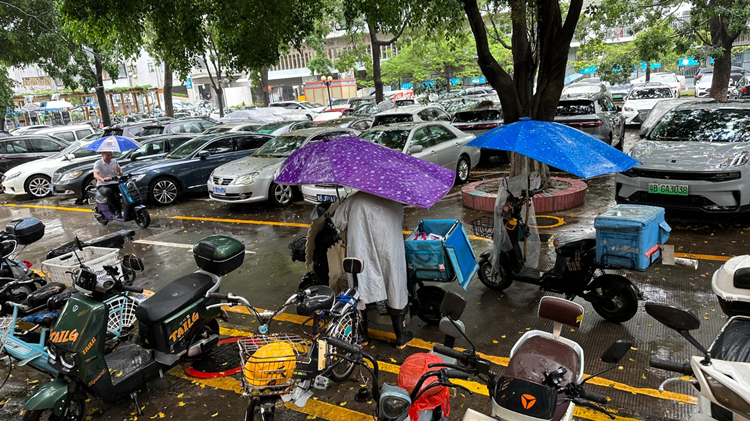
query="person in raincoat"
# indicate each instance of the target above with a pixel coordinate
(375, 235)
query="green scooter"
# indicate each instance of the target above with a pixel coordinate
(175, 324)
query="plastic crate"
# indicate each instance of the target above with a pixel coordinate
(628, 236)
(55, 270)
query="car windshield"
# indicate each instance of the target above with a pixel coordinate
(188, 148)
(271, 127)
(651, 93)
(367, 109)
(566, 108)
(707, 78)
(335, 122)
(664, 78)
(479, 115)
(393, 139)
(585, 88)
(72, 148)
(704, 125)
(281, 146)
(393, 118)
(340, 102)
(150, 131)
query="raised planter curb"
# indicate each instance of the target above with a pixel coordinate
(573, 196)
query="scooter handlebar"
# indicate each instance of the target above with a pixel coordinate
(131, 289)
(457, 374)
(594, 397)
(450, 352)
(218, 296)
(346, 346)
(683, 368)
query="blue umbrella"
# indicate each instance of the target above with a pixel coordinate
(557, 145)
(112, 144)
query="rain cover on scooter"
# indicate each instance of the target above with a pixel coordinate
(500, 236)
(411, 370)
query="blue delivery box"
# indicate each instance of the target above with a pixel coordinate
(630, 236)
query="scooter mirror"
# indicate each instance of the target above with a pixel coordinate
(133, 263)
(78, 243)
(673, 317)
(616, 351)
(452, 306)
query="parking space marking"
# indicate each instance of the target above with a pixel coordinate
(176, 245)
(502, 361)
(241, 221)
(48, 207)
(703, 256)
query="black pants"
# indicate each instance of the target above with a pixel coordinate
(113, 198)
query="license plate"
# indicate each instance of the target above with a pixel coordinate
(326, 198)
(220, 190)
(672, 189)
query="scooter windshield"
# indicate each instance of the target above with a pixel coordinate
(528, 244)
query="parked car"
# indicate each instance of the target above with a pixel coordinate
(250, 179)
(186, 169)
(663, 107)
(74, 179)
(583, 89)
(703, 85)
(24, 130)
(410, 113)
(669, 79)
(333, 114)
(69, 133)
(641, 100)
(276, 129)
(300, 105)
(129, 130)
(596, 115)
(620, 91)
(736, 73)
(367, 110)
(17, 150)
(694, 158)
(357, 123)
(266, 115)
(743, 87)
(478, 119)
(178, 126)
(436, 142)
(233, 127)
(351, 102)
(34, 178)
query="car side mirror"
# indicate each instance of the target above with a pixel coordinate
(203, 154)
(135, 155)
(70, 157)
(416, 149)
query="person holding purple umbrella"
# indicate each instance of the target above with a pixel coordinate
(374, 234)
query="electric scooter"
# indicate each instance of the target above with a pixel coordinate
(132, 209)
(722, 375)
(576, 272)
(175, 325)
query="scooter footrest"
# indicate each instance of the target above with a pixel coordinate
(529, 273)
(125, 360)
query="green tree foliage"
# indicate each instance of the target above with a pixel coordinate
(6, 90)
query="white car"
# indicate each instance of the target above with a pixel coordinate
(669, 79)
(250, 179)
(703, 85)
(436, 142)
(641, 100)
(34, 177)
(410, 113)
(69, 133)
(299, 105)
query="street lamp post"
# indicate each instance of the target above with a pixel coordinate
(327, 81)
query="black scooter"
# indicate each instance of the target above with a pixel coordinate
(576, 272)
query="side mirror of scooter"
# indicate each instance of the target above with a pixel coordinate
(683, 321)
(133, 263)
(453, 305)
(612, 356)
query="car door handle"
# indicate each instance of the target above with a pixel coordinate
(433, 152)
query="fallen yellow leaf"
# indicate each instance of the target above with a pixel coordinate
(180, 403)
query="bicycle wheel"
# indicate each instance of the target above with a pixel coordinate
(344, 328)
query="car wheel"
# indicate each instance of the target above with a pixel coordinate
(462, 170)
(38, 186)
(88, 184)
(280, 195)
(164, 191)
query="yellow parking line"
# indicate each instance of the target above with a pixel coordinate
(502, 361)
(48, 207)
(241, 221)
(703, 256)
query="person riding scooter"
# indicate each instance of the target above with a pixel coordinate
(105, 172)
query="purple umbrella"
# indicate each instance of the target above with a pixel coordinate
(367, 166)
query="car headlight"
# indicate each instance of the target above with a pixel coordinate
(136, 177)
(246, 178)
(628, 109)
(11, 176)
(71, 175)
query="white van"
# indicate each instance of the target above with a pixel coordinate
(69, 133)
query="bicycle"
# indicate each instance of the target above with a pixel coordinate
(274, 363)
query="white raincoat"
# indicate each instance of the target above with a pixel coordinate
(375, 235)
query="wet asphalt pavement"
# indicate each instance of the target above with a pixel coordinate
(494, 320)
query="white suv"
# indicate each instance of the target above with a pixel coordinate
(68, 133)
(409, 114)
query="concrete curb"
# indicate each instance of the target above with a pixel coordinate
(573, 196)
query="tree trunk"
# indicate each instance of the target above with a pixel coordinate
(168, 106)
(263, 88)
(721, 38)
(220, 99)
(100, 95)
(377, 77)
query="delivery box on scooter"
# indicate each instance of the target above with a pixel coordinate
(628, 236)
(26, 230)
(219, 254)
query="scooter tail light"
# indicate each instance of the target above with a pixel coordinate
(27, 263)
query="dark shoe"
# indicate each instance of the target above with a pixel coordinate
(403, 336)
(363, 328)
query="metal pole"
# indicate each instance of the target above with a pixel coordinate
(528, 188)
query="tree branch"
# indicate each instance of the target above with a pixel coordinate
(404, 24)
(496, 36)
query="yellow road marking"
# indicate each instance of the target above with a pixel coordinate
(502, 361)
(241, 221)
(175, 245)
(48, 207)
(703, 256)
(560, 222)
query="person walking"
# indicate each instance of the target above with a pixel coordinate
(375, 235)
(105, 171)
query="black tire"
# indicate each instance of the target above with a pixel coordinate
(142, 218)
(462, 170)
(100, 217)
(497, 281)
(253, 412)
(280, 195)
(624, 301)
(430, 298)
(345, 329)
(88, 183)
(164, 191)
(37, 186)
(76, 412)
(621, 145)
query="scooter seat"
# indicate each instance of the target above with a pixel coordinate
(40, 296)
(570, 249)
(731, 343)
(173, 298)
(538, 356)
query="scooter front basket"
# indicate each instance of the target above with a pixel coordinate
(269, 361)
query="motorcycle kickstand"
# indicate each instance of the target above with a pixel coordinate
(134, 397)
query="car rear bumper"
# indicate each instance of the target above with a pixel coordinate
(706, 196)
